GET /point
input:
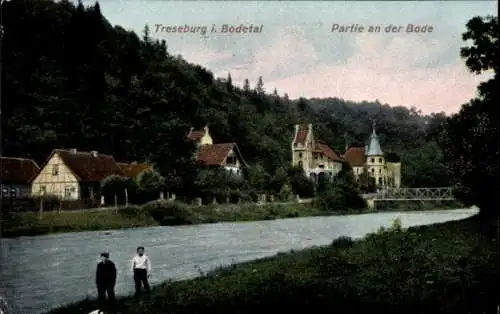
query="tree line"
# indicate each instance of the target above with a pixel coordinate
(73, 79)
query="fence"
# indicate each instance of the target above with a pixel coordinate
(34, 204)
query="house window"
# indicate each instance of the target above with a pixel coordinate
(68, 191)
(380, 160)
(43, 189)
(5, 192)
(300, 155)
(373, 170)
(13, 193)
(300, 163)
(55, 170)
(231, 160)
(380, 180)
(379, 170)
(372, 160)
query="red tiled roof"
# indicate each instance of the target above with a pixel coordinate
(132, 170)
(87, 167)
(328, 152)
(301, 136)
(17, 170)
(355, 156)
(215, 154)
(196, 135)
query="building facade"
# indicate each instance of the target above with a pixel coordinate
(371, 161)
(312, 156)
(76, 175)
(225, 155)
(16, 174)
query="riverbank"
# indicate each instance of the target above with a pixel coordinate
(175, 213)
(442, 268)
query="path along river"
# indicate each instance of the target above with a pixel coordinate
(40, 273)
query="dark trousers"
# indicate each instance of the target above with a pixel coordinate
(141, 278)
(102, 290)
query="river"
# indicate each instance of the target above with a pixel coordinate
(40, 273)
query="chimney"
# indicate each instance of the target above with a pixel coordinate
(94, 153)
(73, 150)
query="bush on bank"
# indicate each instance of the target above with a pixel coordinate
(444, 268)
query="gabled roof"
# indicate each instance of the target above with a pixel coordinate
(86, 166)
(328, 152)
(17, 170)
(196, 135)
(301, 136)
(132, 170)
(215, 154)
(355, 156)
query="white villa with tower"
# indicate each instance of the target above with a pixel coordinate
(316, 158)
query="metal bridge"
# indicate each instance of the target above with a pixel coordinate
(413, 194)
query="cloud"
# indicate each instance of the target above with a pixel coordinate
(421, 70)
(200, 54)
(390, 70)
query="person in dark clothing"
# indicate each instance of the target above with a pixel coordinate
(105, 280)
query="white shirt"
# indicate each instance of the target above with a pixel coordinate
(141, 262)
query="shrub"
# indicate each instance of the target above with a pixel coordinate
(342, 242)
(132, 211)
(170, 213)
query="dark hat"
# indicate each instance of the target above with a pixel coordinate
(105, 254)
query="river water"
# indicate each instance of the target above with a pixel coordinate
(40, 273)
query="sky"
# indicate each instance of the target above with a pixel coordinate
(297, 52)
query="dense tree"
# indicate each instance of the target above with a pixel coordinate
(150, 184)
(471, 137)
(78, 79)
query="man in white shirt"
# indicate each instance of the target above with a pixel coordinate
(141, 267)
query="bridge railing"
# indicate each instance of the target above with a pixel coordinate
(445, 193)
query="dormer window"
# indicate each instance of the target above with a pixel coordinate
(372, 160)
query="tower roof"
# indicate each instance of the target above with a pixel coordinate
(374, 148)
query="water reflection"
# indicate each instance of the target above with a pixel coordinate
(41, 273)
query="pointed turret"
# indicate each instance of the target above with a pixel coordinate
(374, 148)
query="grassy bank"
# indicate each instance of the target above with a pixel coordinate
(444, 268)
(174, 213)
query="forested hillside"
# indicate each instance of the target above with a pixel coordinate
(72, 80)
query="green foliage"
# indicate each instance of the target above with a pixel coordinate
(257, 178)
(119, 187)
(470, 139)
(131, 98)
(445, 268)
(219, 184)
(300, 184)
(169, 213)
(342, 195)
(150, 182)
